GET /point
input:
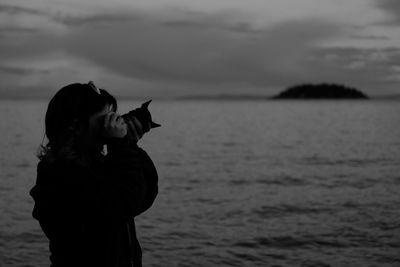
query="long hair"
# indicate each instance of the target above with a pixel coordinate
(67, 121)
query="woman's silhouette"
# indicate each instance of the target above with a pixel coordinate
(86, 196)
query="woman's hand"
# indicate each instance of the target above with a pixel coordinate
(135, 129)
(114, 125)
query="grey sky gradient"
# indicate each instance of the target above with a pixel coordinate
(170, 48)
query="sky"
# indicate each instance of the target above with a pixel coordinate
(172, 48)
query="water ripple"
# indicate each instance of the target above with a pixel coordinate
(289, 210)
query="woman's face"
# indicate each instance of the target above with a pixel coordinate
(96, 124)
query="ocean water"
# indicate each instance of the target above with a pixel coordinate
(242, 183)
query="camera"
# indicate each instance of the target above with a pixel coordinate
(143, 115)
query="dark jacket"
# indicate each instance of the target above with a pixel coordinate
(88, 213)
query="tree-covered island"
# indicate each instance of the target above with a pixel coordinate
(321, 91)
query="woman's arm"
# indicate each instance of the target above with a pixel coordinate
(124, 167)
(130, 167)
(151, 180)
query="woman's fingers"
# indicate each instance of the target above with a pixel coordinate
(114, 125)
(120, 119)
(134, 134)
(107, 119)
(112, 118)
(138, 126)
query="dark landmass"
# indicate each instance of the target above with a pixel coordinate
(232, 97)
(321, 91)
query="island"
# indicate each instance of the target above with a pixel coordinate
(321, 91)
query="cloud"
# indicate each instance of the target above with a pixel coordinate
(392, 8)
(369, 37)
(96, 19)
(367, 69)
(238, 44)
(187, 52)
(15, 19)
(16, 30)
(19, 70)
(14, 10)
(43, 76)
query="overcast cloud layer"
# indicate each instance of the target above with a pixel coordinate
(179, 47)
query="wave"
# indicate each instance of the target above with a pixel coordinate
(351, 162)
(290, 210)
(289, 242)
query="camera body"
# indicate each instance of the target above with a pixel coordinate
(143, 115)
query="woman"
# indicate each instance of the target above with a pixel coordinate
(85, 198)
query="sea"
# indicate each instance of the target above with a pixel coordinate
(241, 183)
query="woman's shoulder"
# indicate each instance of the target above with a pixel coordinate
(57, 165)
(60, 171)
